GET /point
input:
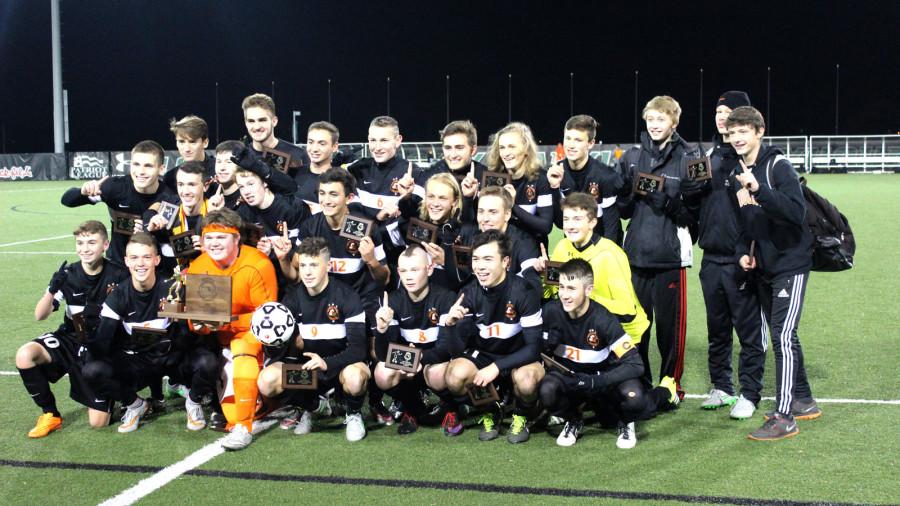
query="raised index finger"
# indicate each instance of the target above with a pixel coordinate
(459, 300)
(543, 251)
(385, 300)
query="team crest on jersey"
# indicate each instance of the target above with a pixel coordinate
(162, 304)
(280, 227)
(530, 192)
(352, 246)
(395, 186)
(332, 312)
(433, 316)
(510, 310)
(110, 287)
(594, 190)
(593, 339)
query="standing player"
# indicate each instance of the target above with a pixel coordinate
(83, 286)
(260, 120)
(501, 318)
(604, 363)
(191, 139)
(276, 213)
(586, 174)
(252, 283)
(730, 296)
(658, 243)
(225, 169)
(131, 195)
(331, 340)
(133, 345)
(321, 144)
(772, 214)
(459, 141)
(415, 315)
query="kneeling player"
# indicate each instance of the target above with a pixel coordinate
(45, 360)
(603, 364)
(416, 316)
(331, 340)
(506, 341)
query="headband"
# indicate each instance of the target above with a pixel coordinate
(215, 227)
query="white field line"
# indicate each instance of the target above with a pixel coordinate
(37, 253)
(146, 486)
(3, 192)
(35, 240)
(819, 400)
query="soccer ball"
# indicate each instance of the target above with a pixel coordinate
(272, 324)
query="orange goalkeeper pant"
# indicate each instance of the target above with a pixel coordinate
(247, 357)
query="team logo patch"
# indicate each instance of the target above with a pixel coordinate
(352, 246)
(162, 304)
(530, 192)
(510, 310)
(395, 186)
(280, 227)
(332, 312)
(594, 190)
(110, 287)
(433, 316)
(593, 339)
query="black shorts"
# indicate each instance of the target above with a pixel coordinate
(67, 357)
(481, 359)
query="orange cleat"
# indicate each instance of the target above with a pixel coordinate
(46, 424)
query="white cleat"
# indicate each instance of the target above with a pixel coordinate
(627, 437)
(238, 439)
(132, 417)
(356, 428)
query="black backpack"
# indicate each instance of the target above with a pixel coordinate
(833, 243)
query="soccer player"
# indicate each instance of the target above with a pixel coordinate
(459, 140)
(495, 208)
(133, 345)
(191, 139)
(415, 315)
(260, 120)
(253, 282)
(514, 151)
(603, 363)
(331, 340)
(225, 169)
(501, 318)
(730, 295)
(612, 286)
(586, 174)
(83, 286)
(274, 212)
(772, 216)
(658, 242)
(130, 195)
(321, 144)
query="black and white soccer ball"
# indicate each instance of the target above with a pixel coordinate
(272, 324)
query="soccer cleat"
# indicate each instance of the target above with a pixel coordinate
(324, 408)
(238, 439)
(396, 411)
(570, 433)
(356, 429)
(304, 424)
(451, 425)
(290, 420)
(408, 424)
(217, 422)
(489, 429)
(801, 410)
(46, 424)
(742, 409)
(132, 417)
(518, 430)
(196, 420)
(775, 428)
(718, 398)
(173, 390)
(381, 414)
(669, 384)
(627, 436)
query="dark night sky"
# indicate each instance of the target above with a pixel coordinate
(130, 65)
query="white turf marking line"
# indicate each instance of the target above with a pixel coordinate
(148, 485)
(35, 240)
(9, 373)
(29, 190)
(820, 401)
(36, 253)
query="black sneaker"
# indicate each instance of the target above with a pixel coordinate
(217, 422)
(777, 427)
(802, 410)
(381, 414)
(408, 424)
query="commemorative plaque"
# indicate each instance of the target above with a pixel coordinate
(403, 358)
(278, 160)
(123, 223)
(169, 211)
(647, 183)
(551, 363)
(207, 298)
(551, 273)
(80, 327)
(144, 337)
(699, 169)
(420, 231)
(490, 178)
(183, 244)
(355, 228)
(482, 395)
(463, 256)
(295, 377)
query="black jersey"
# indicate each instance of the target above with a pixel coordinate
(347, 264)
(85, 293)
(308, 188)
(278, 181)
(533, 209)
(331, 324)
(284, 210)
(422, 324)
(376, 183)
(441, 166)
(233, 200)
(504, 321)
(124, 316)
(592, 343)
(523, 255)
(209, 164)
(119, 195)
(601, 182)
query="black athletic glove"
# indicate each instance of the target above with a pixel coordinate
(244, 157)
(586, 383)
(691, 188)
(58, 279)
(662, 202)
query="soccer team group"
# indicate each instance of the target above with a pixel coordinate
(449, 259)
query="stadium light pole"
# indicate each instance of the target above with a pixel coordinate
(509, 100)
(389, 95)
(329, 100)
(448, 98)
(635, 106)
(217, 113)
(700, 130)
(56, 51)
(837, 96)
(769, 100)
(571, 94)
(273, 90)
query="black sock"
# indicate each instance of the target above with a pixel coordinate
(39, 387)
(354, 403)
(525, 409)
(156, 389)
(375, 394)
(448, 400)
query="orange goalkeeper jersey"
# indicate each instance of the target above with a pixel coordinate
(253, 282)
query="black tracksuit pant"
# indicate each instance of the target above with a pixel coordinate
(663, 295)
(732, 304)
(782, 302)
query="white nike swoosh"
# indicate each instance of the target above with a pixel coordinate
(77, 294)
(99, 400)
(366, 182)
(131, 313)
(404, 319)
(123, 206)
(479, 315)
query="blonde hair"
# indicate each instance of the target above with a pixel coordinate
(664, 104)
(446, 179)
(531, 164)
